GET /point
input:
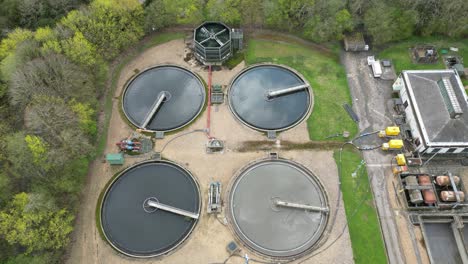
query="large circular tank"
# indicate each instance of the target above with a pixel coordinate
(277, 208)
(212, 43)
(270, 97)
(150, 209)
(163, 98)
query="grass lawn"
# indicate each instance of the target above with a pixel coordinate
(328, 80)
(400, 55)
(325, 74)
(361, 214)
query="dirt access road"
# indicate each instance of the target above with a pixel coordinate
(207, 243)
(372, 103)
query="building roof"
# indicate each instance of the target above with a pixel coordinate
(433, 110)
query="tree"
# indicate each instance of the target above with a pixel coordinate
(358, 7)
(389, 23)
(454, 21)
(224, 10)
(34, 228)
(37, 13)
(30, 11)
(86, 117)
(288, 14)
(107, 25)
(44, 258)
(188, 12)
(252, 12)
(49, 40)
(59, 8)
(8, 44)
(24, 52)
(53, 76)
(157, 16)
(329, 21)
(53, 120)
(21, 166)
(44, 34)
(37, 147)
(8, 14)
(52, 157)
(80, 50)
(5, 186)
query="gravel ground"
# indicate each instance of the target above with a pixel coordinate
(208, 241)
(371, 99)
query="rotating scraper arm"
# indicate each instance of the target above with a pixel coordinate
(301, 206)
(288, 90)
(172, 209)
(153, 109)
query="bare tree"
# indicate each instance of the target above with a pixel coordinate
(53, 76)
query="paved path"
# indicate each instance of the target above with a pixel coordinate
(370, 97)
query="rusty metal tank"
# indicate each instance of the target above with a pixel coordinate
(444, 180)
(415, 195)
(429, 195)
(449, 196)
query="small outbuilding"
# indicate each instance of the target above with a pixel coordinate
(355, 42)
(424, 54)
(115, 158)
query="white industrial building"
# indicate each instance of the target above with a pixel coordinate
(436, 108)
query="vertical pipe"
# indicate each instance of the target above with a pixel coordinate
(208, 121)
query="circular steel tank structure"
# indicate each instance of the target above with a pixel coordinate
(163, 98)
(212, 43)
(150, 209)
(270, 97)
(277, 208)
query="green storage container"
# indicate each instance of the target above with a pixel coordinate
(115, 158)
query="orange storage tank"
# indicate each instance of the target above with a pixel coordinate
(429, 195)
(449, 196)
(444, 180)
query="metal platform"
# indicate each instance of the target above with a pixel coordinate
(214, 198)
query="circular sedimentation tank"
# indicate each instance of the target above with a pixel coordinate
(150, 209)
(270, 97)
(163, 98)
(277, 208)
